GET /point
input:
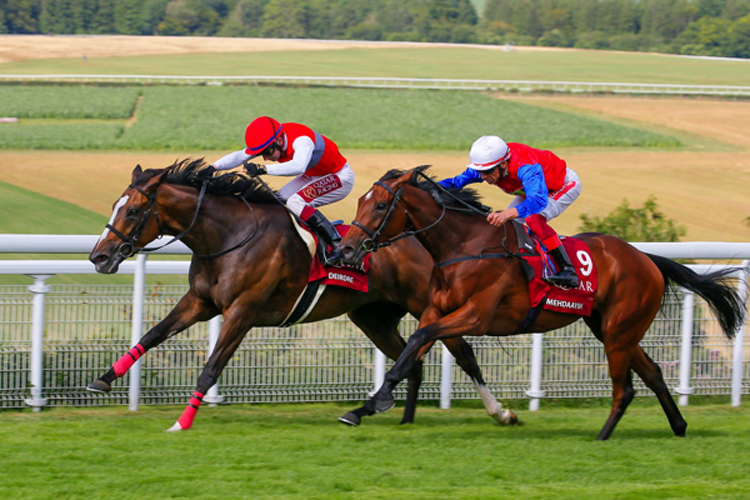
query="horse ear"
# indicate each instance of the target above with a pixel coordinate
(156, 181)
(416, 172)
(136, 172)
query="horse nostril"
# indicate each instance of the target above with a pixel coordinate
(99, 258)
(347, 251)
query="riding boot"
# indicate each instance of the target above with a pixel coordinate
(328, 234)
(566, 275)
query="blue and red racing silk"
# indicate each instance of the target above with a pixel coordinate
(533, 173)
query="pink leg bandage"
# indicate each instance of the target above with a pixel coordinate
(186, 420)
(122, 365)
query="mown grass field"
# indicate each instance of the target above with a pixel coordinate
(212, 118)
(301, 452)
(415, 61)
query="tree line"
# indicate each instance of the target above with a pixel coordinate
(693, 27)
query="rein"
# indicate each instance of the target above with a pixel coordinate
(503, 255)
(128, 248)
(369, 245)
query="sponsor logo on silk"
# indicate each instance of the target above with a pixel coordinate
(320, 187)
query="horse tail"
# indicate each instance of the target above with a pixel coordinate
(723, 299)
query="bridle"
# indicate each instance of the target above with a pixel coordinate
(129, 248)
(369, 244)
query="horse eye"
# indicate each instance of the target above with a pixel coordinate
(133, 212)
(380, 206)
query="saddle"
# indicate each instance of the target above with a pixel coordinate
(537, 265)
(321, 276)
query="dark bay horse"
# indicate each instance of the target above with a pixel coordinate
(470, 295)
(250, 266)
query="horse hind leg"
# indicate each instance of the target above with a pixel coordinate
(232, 332)
(619, 359)
(651, 375)
(466, 359)
(622, 390)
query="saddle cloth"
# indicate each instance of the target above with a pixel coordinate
(346, 276)
(577, 301)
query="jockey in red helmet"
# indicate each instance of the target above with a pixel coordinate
(322, 174)
(543, 184)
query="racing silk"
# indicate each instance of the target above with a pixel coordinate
(325, 158)
(532, 173)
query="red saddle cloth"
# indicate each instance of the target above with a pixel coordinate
(349, 277)
(577, 301)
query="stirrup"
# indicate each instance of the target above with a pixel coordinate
(567, 277)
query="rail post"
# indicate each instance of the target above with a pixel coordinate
(739, 339)
(446, 379)
(139, 281)
(39, 288)
(214, 327)
(535, 391)
(686, 347)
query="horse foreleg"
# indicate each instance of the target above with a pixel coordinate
(465, 358)
(232, 332)
(464, 321)
(188, 311)
(380, 321)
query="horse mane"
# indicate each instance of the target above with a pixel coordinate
(451, 199)
(191, 172)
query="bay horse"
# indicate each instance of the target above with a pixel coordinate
(475, 291)
(250, 265)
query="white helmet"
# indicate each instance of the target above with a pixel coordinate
(488, 151)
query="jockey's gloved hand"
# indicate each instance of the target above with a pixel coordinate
(253, 169)
(206, 173)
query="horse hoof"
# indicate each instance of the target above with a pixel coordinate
(175, 428)
(384, 406)
(350, 419)
(511, 418)
(99, 386)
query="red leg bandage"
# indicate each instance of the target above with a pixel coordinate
(186, 420)
(122, 365)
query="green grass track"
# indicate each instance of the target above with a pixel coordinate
(301, 452)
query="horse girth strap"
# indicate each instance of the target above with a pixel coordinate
(503, 255)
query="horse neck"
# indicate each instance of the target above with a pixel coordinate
(458, 233)
(176, 208)
(447, 235)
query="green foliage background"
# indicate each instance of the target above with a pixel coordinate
(635, 224)
(698, 27)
